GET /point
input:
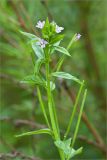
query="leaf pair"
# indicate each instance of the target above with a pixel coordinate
(33, 79)
(68, 151)
(36, 80)
(55, 41)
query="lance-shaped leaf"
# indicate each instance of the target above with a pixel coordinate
(33, 39)
(66, 76)
(38, 50)
(38, 64)
(62, 50)
(29, 35)
(46, 28)
(41, 131)
(32, 79)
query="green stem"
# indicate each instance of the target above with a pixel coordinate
(50, 104)
(55, 115)
(52, 111)
(79, 118)
(43, 107)
(74, 110)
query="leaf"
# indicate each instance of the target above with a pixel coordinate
(46, 28)
(32, 79)
(38, 64)
(38, 50)
(68, 151)
(56, 39)
(52, 48)
(68, 142)
(66, 76)
(76, 152)
(41, 131)
(64, 145)
(62, 50)
(33, 56)
(29, 35)
(47, 24)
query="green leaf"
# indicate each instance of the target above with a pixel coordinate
(38, 64)
(66, 76)
(33, 56)
(62, 50)
(75, 152)
(46, 29)
(56, 39)
(65, 146)
(29, 35)
(68, 151)
(47, 24)
(41, 131)
(33, 39)
(32, 79)
(38, 50)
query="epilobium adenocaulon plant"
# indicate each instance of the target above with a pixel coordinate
(44, 48)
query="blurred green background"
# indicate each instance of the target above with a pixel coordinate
(19, 106)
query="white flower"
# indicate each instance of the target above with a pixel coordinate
(78, 36)
(58, 29)
(40, 24)
(42, 43)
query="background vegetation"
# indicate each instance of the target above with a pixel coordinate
(19, 107)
